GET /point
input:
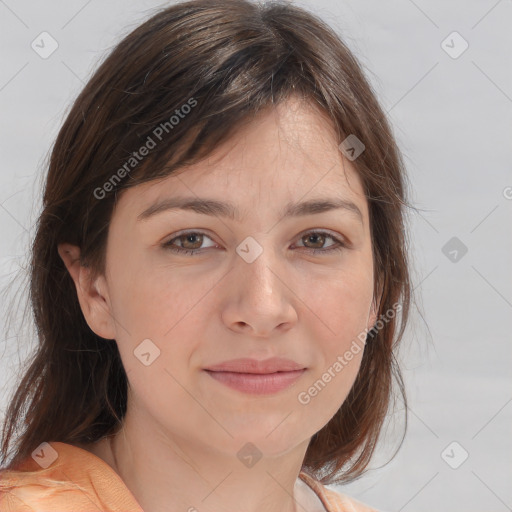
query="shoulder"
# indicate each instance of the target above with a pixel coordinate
(30, 491)
(334, 501)
(65, 478)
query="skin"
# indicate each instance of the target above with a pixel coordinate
(183, 429)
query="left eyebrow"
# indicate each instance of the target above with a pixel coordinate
(216, 208)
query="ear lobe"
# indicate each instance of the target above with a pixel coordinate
(94, 306)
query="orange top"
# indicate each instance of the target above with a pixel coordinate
(79, 481)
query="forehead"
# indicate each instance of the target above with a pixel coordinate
(285, 153)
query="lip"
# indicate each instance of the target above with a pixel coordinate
(247, 365)
(257, 377)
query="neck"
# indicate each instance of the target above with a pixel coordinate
(193, 477)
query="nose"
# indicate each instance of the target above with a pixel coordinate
(260, 298)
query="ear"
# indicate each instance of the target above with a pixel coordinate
(374, 310)
(92, 295)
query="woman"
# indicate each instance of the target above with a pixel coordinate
(216, 276)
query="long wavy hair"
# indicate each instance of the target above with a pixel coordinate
(231, 59)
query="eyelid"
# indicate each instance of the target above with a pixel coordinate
(324, 231)
(198, 231)
(340, 241)
(202, 231)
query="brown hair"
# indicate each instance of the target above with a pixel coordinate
(227, 60)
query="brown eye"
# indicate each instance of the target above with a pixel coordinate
(191, 240)
(315, 240)
(188, 243)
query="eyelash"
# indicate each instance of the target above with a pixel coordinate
(339, 246)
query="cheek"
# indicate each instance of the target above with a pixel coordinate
(337, 307)
(151, 299)
(337, 313)
(165, 307)
(322, 394)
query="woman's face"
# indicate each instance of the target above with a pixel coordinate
(253, 287)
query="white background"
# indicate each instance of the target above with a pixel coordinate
(452, 119)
